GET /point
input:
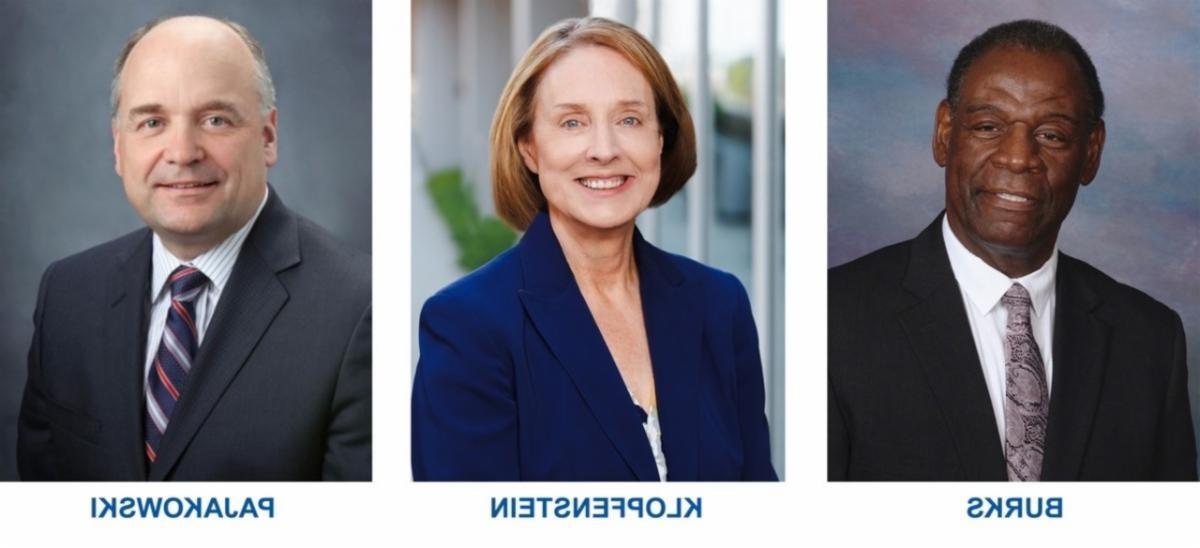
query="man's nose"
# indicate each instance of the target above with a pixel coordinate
(183, 147)
(1019, 150)
(603, 146)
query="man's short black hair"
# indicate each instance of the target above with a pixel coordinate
(1033, 35)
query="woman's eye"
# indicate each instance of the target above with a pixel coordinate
(571, 124)
(630, 121)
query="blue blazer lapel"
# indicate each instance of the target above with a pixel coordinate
(561, 316)
(675, 332)
(252, 299)
(124, 355)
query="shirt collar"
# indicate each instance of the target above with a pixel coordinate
(985, 285)
(216, 264)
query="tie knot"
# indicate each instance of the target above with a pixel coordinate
(186, 282)
(1016, 298)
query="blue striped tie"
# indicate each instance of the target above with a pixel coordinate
(168, 375)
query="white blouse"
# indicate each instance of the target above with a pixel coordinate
(654, 435)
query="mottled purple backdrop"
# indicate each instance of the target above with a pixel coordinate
(1139, 221)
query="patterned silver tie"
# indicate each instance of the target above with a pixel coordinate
(1027, 401)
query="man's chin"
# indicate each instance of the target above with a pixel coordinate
(186, 230)
(1018, 242)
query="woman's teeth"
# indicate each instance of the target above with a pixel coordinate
(602, 184)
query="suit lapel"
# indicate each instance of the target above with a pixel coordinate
(940, 335)
(675, 334)
(1080, 348)
(561, 316)
(124, 355)
(251, 300)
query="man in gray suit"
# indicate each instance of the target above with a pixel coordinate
(228, 340)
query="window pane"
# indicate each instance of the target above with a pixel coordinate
(677, 43)
(732, 42)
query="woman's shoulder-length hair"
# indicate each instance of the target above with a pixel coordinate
(515, 189)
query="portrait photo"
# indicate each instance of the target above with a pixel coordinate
(1013, 218)
(187, 231)
(598, 241)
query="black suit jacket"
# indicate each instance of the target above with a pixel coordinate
(280, 389)
(908, 401)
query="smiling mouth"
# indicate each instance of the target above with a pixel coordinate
(605, 183)
(1009, 201)
(185, 185)
(1012, 198)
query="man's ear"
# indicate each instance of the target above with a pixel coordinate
(271, 137)
(116, 136)
(1095, 147)
(942, 124)
(528, 154)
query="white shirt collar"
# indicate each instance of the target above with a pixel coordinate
(216, 264)
(985, 285)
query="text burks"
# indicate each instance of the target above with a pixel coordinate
(1015, 507)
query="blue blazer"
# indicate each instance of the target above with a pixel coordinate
(515, 382)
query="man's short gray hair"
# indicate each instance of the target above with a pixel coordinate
(262, 74)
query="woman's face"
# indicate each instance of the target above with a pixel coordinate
(595, 143)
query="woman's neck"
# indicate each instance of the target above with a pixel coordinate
(600, 259)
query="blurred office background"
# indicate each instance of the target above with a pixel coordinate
(728, 57)
(1139, 221)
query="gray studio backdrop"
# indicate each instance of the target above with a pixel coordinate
(58, 192)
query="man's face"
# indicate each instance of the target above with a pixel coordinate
(1015, 150)
(192, 145)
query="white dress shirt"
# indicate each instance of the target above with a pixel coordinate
(216, 264)
(982, 287)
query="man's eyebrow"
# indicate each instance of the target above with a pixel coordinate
(972, 109)
(1064, 116)
(140, 110)
(214, 105)
(989, 108)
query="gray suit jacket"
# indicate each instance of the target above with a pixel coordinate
(280, 389)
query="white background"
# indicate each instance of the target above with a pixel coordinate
(804, 511)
